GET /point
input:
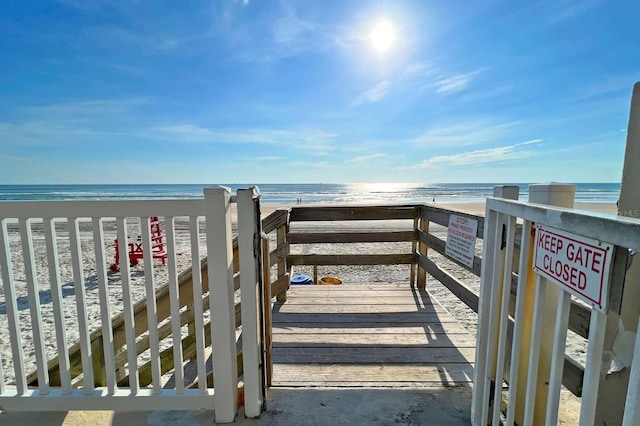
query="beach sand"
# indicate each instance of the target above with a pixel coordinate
(350, 275)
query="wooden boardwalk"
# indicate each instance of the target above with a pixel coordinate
(368, 336)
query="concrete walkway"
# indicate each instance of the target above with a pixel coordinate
(294, 406)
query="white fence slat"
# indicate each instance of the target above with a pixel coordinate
(484, 304)
(523, 272)
(248, 222)
(57, 299)
(196, 276)
(557, 359)
(152, 307)
(172, 267)
(223, 330)
(129, 320)
(105, 308)
(1, 377)
(593, 368)
(632, 404)
(493, 316)
(534, 357)
(504, 286)
(81, 304)
(34, 304)
(12, 309)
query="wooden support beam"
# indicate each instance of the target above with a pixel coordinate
(333, 213)
(351, 259)
(350, 237)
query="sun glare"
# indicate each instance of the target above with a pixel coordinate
(383, 35)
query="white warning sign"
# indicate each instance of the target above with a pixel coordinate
(461, 239)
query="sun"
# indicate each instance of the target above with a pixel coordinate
(383, 35)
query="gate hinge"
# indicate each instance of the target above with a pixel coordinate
(257, 241)
(503, 238)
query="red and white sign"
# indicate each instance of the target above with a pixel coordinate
(578, 264)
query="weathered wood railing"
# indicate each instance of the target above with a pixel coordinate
(422, 239)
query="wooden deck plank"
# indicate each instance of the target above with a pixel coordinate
(361, 318)
(372, 354)
(451, 328)
(362, 299)
(390, 374)
(402, 340)
(368, 335)
(340, 309)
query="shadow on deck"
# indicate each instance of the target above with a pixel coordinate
(368, 336)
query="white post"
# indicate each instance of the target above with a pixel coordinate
(558, 195)
(249, 245)
(492, 270)
(509, 192)
(223, 330)
(11, 306)
(632, 406)
(612, 385)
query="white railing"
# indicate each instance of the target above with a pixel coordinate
(52, 250)
(527, 401)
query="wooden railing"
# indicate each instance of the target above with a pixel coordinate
(422, 241)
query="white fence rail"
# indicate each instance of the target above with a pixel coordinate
(500, 333)
(57, 288)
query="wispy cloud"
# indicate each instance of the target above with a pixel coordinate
(98, 108)
(315, 140)
(365, 158)
(608, 87)
(266, 158)
(456, 83)
(66, 123)
(464, 133)
(288, 34)
(314, 164)
(372, 95)
(565, 10)
(480, 157)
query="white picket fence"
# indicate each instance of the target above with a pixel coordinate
(492, 366)
(30, 338)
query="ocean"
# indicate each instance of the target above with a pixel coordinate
(309, 193)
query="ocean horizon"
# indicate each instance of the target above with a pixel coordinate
(598, 192)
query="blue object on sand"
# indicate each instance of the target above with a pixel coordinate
(301, 279)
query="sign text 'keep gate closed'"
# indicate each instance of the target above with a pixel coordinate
(578, 264)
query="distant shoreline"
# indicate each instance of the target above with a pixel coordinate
(290, 194)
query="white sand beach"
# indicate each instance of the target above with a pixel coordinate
(350, 275)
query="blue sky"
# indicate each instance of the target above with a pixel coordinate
(109, 91)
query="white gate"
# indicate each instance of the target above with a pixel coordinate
(500, 333)
(56, 289)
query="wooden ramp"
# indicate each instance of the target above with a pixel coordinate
(368, 335)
